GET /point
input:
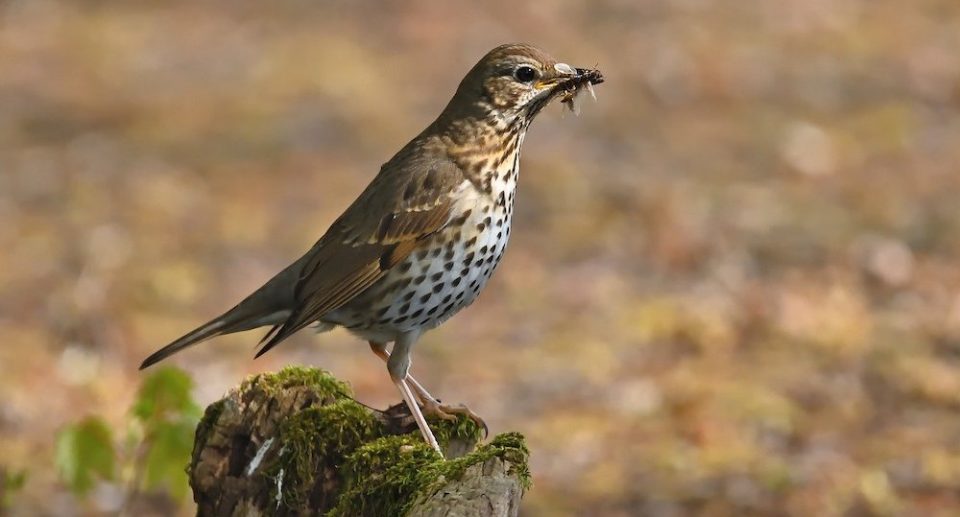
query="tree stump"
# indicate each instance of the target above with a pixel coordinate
(296, 442)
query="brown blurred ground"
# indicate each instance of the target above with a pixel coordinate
(733, 287)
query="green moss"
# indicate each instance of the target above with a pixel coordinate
(384, 477)
(463, 429)
(508, 447)
(293, 376)
(317, 439)
(513, 448)
(391, 474)
(340, 447)
(210, 417)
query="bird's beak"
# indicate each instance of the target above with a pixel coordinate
(567, 78)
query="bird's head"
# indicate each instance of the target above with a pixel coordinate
(513, 82)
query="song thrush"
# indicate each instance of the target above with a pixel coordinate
(424, 237)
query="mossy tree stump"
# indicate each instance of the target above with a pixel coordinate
(295, 442)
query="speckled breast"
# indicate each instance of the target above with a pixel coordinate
(441, 277)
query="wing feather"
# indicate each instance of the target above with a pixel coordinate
(375, 234)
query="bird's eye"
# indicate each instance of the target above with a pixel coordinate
(525, 73)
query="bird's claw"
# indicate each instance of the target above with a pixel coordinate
(450, 412)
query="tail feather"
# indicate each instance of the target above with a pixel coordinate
(245, 316)
(212, 329)
(234, 320)
(269, 305)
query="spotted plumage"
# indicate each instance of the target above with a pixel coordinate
(468, 242)
(422, 240)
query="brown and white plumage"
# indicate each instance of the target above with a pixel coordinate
(424, 237)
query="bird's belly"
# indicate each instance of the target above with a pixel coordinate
(441, 277)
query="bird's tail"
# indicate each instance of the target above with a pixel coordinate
(269, 305)
(213, 328)
(234, 320)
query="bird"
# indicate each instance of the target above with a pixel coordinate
(423, 238)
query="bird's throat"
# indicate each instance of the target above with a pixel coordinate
(491, 161)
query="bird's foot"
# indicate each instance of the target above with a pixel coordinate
(433, 407)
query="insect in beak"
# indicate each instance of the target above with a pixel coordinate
(575, 81)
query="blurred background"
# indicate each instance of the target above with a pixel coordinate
(732, 288)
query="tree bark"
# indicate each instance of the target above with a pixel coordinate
(295, 442)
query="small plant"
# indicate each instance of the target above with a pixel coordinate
(157, 447)
(10, 483)
(84, 453)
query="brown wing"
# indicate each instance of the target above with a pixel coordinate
(403, 205)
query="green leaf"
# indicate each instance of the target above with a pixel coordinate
(171, 447)
(84, 452)
(10, 483)
(168, 416)
(165, 394)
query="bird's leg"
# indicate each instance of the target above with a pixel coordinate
(430, 404)
(398, 364)
(419, 391)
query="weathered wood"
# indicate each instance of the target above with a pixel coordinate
(295, 442)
